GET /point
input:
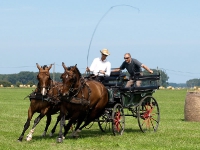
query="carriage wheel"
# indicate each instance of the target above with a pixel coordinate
(118, 119)
(104, 121)
(148, 114)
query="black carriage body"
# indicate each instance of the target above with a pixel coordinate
(118, 93)
(138, 100)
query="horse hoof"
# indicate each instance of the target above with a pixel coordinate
(44, 134)
(19, 140)
(75, 134)
(51, 134)
(60, 140)
(29, 137)
(63, 137)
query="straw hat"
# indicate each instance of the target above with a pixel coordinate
(105, 52)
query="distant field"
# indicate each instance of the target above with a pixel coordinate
(173, 132)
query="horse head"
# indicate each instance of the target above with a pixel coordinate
(70, 79)
(44, 79)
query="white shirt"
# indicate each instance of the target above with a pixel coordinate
(98, 64)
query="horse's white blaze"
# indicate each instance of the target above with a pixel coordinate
(43, 91)
(66, 76)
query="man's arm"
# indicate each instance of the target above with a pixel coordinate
(92, 66)
(108, 70)
(146, 68)
(116, 69)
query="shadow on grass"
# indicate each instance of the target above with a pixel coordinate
(85, 134)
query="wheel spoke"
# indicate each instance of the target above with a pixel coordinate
(148, 114)
(118, 119)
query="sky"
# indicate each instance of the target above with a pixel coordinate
(161, 34)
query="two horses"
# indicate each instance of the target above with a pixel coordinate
(78, 99)
(44, 100)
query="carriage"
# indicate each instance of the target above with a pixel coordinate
(137, 100)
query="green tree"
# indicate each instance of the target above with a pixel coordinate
(193, 82)
(5, 83)
(18, 83)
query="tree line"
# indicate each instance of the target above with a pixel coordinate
(24, 78)
(30, 78)
(193, 82)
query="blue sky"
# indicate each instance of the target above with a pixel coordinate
(163, 34)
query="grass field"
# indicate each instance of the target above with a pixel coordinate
(173, 132)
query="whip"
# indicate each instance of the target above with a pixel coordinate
(102, 19)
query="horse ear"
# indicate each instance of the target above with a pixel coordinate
(38, 66)
(50, 67)
(63, 64)
(76, 65)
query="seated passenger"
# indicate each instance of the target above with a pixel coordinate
(133, 66)
(100, 66)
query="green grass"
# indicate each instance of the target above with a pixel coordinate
(173, 132)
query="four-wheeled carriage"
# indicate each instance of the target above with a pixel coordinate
(137, 100)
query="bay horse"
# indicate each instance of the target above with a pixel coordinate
(83, 100)
(44, 100)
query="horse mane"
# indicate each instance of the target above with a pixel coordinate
(43, 67)
(77, 71)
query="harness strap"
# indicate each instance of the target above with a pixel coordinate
(76, 100)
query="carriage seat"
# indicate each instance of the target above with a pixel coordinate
(148, 87)
(114, 79)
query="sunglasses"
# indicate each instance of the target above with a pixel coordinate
(126, 57)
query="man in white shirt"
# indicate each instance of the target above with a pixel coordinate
(101, 66)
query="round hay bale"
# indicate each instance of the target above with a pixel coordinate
(192, 106)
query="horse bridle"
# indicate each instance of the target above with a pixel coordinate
(72, 90)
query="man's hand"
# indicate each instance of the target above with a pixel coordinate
(151, 71)
(102, 72)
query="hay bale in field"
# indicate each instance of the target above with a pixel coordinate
(194, 87)
(12, 86)
(161, 87)
(170, 88)
(192, 106)
(33, 86)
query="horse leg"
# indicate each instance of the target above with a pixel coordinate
(47, 124)
(62, 123)
(36, 121)
(95, 113)
(77, 130)
(54, 128)
(27, 124)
